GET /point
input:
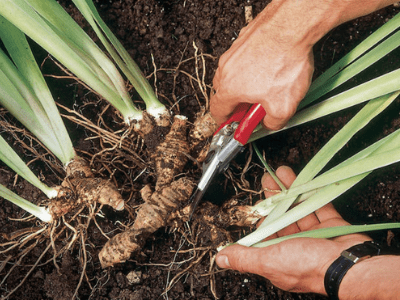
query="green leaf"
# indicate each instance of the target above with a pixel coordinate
(37, 211)
(319, 161)
(120, 55)
(372, 89)
(18, 48)
(331, 232)
(323, 197)
(82, 61)
(332, 183)
(346, 67)
(19, 99)
(11, 159)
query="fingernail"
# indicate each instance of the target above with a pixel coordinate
(223, 261)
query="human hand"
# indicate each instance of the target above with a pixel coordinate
(263, 67)
(296, 265)
(271, 62)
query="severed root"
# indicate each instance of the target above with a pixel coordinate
(230, 214)
(213, 221)
(81, 187)
(151, 130)
(203, 128)
(152, 215)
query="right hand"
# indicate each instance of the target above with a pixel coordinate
(263, 67)
(271, 62)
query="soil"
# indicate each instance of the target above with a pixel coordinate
(164, 38)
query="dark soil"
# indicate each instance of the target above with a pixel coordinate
(167, 31)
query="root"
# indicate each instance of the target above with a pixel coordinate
(30, 143)
(218, 219)
(152, 215)
(36, 237)
(81, 188)
(202, 84)
(161, 209)
(168, 147)
(171, 155)
(237, 215)
(203, 128)
(183, 272)
(28, 273)
(52, 233)
(129, 145)
(197, 81)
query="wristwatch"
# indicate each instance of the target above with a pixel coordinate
(347, 259)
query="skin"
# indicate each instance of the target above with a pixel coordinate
(299, 265)
(271, 62)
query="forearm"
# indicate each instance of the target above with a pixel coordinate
(373, 278)
(306, 21)
(352, 9)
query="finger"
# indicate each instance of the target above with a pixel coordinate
(308, 222)
(221, 107)
(242, 259)
(335, 222)
(269, 185)
(327, 212)
(273, 123)
(286, 175)
(271, 237)
(291, 229)
(278, 113)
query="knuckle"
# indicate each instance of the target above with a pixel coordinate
(240, 267)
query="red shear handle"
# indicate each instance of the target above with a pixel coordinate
(250, 121)
(237, 115)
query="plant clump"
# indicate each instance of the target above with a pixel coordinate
(169, 156)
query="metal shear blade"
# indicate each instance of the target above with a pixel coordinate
(223, 149)
(227, 142)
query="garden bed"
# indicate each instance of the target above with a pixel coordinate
(177, 45)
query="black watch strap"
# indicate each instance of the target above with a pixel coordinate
(347, 259)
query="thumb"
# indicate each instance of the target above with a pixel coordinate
(242, 259)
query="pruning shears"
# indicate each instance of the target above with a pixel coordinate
(228, 140)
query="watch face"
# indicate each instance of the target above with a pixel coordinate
(351, 256)
(365, 250)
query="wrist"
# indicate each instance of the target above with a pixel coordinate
(331, 254)
(299, 23)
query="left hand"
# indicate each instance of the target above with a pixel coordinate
(296, 265)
